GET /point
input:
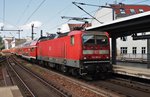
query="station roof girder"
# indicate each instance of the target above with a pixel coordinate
(125, 26)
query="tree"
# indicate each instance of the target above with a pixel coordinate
(1, 39)
(1, 43)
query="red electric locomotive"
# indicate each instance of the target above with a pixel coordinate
(78, 52)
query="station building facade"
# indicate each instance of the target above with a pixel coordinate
(127, 48)
(10, 42)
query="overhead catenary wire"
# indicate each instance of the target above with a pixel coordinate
(135, 2)
(7, 22)
(90, 12)
(59, 25)
(4, 20)
(35, 11)
(56, 26)
(106, 7)
(86, 4)
(122, 0)
(24, 11)
(142, 1)
(68, 20)
(86, 12)
(56, 14)
(3, 13)
(63, 22)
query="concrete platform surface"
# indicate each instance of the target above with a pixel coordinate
(10, 91)
(132, 71)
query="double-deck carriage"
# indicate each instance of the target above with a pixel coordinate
(28, 50)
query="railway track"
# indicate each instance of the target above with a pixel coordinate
(2, 59)
(74, 86)
(21, 84)
(123, 87)
(32, 85)
(132, 84)
(110, 88)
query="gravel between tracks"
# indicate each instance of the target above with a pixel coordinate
(76, 90)
(68, 86)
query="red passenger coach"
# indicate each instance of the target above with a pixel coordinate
(18, 50)
(28, 50)
(33, 50)
(5, 51)
(77, 52)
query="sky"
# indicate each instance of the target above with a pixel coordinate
(45, 14)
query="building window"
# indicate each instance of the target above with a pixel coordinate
(122, 11)
(72, 40)
(141, 10)
(132, 11)
(123, 50)
(143, 50)
(134, 50)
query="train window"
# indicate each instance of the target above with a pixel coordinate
(132, 11)
(141, 10)
(95, 39)
(88, 39)
(72, 40)
(32, 49)
(122, 11)
(103, 40)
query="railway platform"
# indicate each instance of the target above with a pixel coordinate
(136, 70)
(10, 91)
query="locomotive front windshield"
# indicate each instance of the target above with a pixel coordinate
(95, 40)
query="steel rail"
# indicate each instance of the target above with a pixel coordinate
(131, 84)
(62, 94)
(21, 80)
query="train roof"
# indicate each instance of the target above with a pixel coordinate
(59, 35)
(53, 36)
(28, 43)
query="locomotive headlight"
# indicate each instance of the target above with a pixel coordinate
(85, 58)
(107, 57)
(86, 66)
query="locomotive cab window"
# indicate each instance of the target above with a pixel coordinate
(101, 39)
(72, 40)
(95, 39)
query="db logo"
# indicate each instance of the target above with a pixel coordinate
(96, 51)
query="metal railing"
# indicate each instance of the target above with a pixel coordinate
(130, 56)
